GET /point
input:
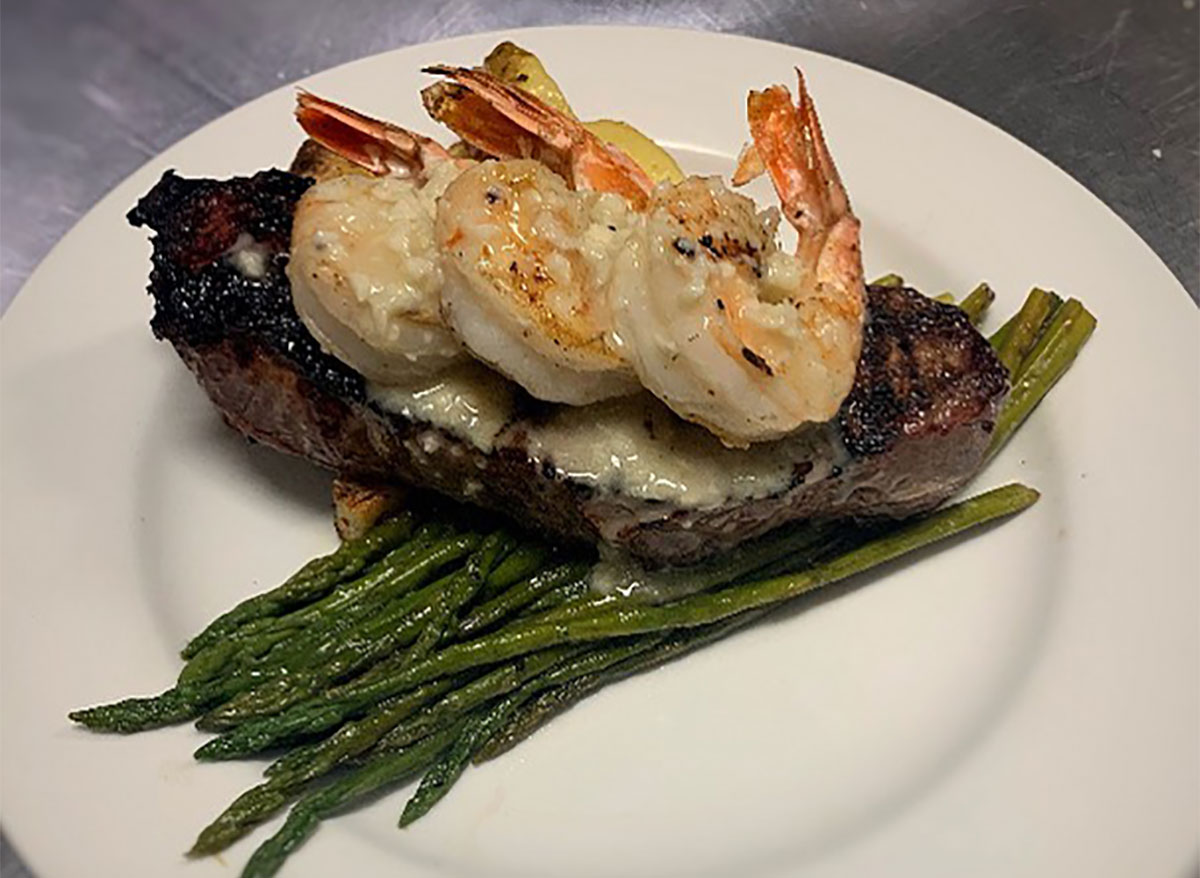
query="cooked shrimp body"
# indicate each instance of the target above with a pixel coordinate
(528, 242)
(527, 263)
(730, 331)
(365, 270)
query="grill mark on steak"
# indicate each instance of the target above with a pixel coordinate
(915, 425)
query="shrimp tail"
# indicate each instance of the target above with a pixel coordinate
(749, 165)
(486, 129)
(506, 122)
(377, 146)
(791, 146)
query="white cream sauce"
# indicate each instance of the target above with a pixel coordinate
(636, 447)
(249, 257)
(618, 576)
(469, 401)
(633, 446)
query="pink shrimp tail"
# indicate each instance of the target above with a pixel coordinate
(506, 122)
(378, 146)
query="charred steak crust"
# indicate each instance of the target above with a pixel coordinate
(915, 425)
(200, 297)
(923, 369)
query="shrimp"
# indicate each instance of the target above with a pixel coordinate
(727, 329)
(365, 270)
(528, 242)
(526, 263)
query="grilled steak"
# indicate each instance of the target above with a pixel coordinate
(912, 431)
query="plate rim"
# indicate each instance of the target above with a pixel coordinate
(542, 32)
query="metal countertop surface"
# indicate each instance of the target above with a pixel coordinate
(1108, 90)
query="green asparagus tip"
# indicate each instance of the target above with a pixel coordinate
(250, 808)
(138, 714)
(977, 302)
(1023, 496)
(1060, 342)
(219, 749)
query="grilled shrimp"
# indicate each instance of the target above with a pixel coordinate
(526, 265)
(365, 271)
(730, 331)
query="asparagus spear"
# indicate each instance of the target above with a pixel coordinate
(1021, 335)
(307, 814)
(998, 338)
(189, 700)
(129, 715)
(455, 758)
(454, 704)
(220, 657)
(564, 692)
(376, 617)
(1061, 341)
(238, 717)
(534, 673)
(375, 643)
(420, 616)
(566, 593)
(396, 579)
(523, 561)
(741, 561)
(976, 303)
(288, 775)
(268, 642)
(487, 567)
(520, 595)
(311, 581)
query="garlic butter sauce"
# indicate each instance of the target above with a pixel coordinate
(633, 446)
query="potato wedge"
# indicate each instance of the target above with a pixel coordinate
(654, 160)
(359, 505)
(522, 68)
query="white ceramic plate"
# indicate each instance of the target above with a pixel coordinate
(1022, 703)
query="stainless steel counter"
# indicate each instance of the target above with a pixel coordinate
(1108, 90)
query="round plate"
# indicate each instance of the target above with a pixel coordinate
(1020, 703)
